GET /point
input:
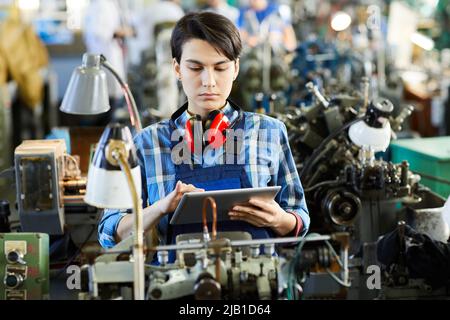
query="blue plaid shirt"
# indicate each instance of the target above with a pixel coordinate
(266, 156)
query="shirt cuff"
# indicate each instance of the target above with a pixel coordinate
(298, 225)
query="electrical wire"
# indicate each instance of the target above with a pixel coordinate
(69, 262)
(7, 173)
(338, 259)
(307, 167)
(331, 183)
(292, 280)
(336, 278)
(74, 161)
(71, 158)
(327, 148)
(131, 103)
(426, 176)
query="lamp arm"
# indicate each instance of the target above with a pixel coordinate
(138, 246)
(132, 108)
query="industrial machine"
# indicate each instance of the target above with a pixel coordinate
(335, 143)
(228, 265)
(39, 170)
(263, 72)
(50, 189)
(48, 179)
(24, 266)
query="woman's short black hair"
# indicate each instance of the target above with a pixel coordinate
(214, 28)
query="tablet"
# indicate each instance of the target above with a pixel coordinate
(190, 208)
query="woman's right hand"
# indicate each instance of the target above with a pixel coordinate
(170, 202)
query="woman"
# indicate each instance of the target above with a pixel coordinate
(205, 49)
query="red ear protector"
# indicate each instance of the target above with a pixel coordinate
(215, 126)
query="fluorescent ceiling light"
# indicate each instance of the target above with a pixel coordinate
(29, 4)
(422, 41)
(340, 21)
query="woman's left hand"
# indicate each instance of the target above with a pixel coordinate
(262, 213)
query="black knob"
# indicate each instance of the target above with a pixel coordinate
(379, 108)
(156, 293)
(15, 257)
(12, 280)
(206, 288)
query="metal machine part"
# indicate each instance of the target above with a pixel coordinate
(217, 271)
(341, 206)
(379, 108)
(207, 288)
(13, 280)
(400, 274)
(24, 266)
(49, 185)
(317, 265)
(313, 89)
(415, 289)
(428, 216)
(399, 279)
(39, 170)
(240, 276)
(336, 174)
(249, 269)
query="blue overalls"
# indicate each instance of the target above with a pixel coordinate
(218, 177)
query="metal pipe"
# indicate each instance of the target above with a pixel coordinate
(73, 199)
(344, 258)
(365, 85)
(398, 121)
(79, 183)
(344, 239)
(241, 243)
(311, 87)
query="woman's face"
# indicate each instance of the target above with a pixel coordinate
(206, 75)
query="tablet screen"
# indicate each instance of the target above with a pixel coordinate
(189, 209)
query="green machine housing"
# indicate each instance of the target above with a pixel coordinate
(24, 266)
(426, 156)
